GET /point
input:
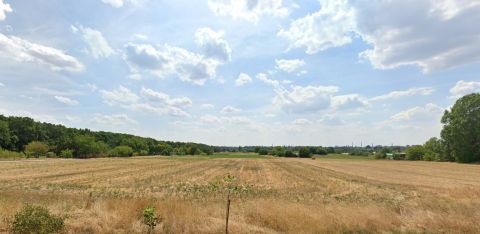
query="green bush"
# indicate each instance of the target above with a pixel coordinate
(36, 219)
(68, 153)
(121, 151)
(262, 151)
(36, 149)
(150, 218)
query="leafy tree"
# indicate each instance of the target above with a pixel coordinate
(461, 130)
(321, 151)
(433, 150)
(121, 151)
(36, 149)
(289, 153)
(279, 151)
(304, 152)
(6, 139)
(163, 149)
(85, 147)
(415, 152)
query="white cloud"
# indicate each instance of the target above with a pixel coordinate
(404, 93)
(434, 35)
(250, 10)
(348, 102)
(326, 28)
(169, 60)
(92, 87)
(115, 119)
(243, 79)
(462, 88)
(72, 118)
(4, 8)
(164, 99)
(207, 106)
(120, 96)
(302, 122)
(229, 109)
(304, 99)
(210, 119)
(114, 3)
(20, 50)
(264, 78)
(98, 45)
(418, 113)
(66, 100)
(150, 101)
(213, 44)
(1, 84)
(289, 65)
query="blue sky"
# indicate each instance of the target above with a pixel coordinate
(243, 72)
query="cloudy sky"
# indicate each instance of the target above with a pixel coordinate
(241, 72)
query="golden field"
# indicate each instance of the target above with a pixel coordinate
(278, 195)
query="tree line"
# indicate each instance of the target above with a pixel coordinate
(24, 136)
(460, 136)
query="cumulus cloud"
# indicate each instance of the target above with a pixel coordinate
(462, 88)
(434, 35)
(149, 101)
(229, 109)
(115, 119)
(243, 79)
(97, 44)
(289, 66)
(20, 50)
(250, 10)
(425, 91)
(170, 60)
(301, 122)
(304, 99)
(348, 102)
(213, 44)
(428, 113)
(4, 8)
(66, 100)
(120, 3)
(326, 28)
(264, 78)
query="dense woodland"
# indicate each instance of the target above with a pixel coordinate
(22, 134)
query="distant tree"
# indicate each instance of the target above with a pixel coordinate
(304, 152)
(461, 130)
(36, 149)
(6, 139)
(257, 149)
(415, 152)
(321, 151)
(263, 151)
(289, 153)
(433, 150)
(86, 146)
(163, 148)
(121, 151)
(279, 151)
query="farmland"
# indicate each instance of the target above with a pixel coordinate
(277, 195)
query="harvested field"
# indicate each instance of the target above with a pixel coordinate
(277, 195)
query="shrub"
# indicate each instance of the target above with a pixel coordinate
(36, 219)
(121, 151)
(36, 149)
(290, 153)
(415, 152)
(68, 153)
(304, 152)
(150, 218)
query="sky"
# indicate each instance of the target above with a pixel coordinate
(241, 72)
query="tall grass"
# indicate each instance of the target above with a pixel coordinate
(5, 154)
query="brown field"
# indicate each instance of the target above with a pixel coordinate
(279, 196)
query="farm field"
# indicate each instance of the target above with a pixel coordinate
(277, 195)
